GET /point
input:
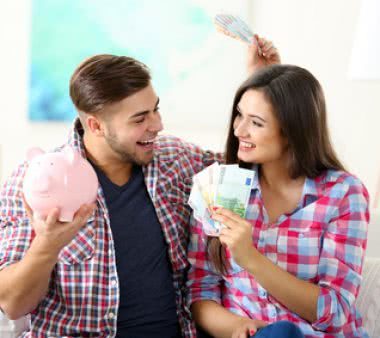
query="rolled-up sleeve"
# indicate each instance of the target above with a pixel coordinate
(15, 230)
(203, 281)
(15, 238)
(342, 255)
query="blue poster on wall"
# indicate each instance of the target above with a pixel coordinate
(64, 33)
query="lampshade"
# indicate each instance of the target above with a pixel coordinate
(365, 58)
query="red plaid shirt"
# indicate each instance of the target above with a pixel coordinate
(323, 241)
(83, 295)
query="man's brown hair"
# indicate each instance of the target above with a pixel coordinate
(105, 79)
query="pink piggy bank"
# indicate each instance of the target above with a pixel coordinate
(62, 179)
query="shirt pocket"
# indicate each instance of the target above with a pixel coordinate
(82, 247)
(299, 250)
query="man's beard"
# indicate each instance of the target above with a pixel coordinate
(126, 157)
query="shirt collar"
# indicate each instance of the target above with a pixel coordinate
(75, 139)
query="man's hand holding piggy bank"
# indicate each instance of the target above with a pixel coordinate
(62, 180)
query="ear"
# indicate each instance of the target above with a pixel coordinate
(31, 153)
(70, 154)
(95, 125)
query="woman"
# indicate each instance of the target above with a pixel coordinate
(298, 255)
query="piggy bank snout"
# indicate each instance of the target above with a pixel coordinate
(42, 183)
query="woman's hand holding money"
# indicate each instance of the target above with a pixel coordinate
(261, 53)
(236, 235)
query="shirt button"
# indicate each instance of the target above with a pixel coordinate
(113, 282)
(272, 313)
(111, 315)
(262, 293)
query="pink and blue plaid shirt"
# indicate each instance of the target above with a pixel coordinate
(83, 295)
(323, 241)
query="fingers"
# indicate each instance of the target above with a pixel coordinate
(225, 220)
(255, 46)
(229, 214)
(28, 209)
(52, 217)
(83, 214)
(260, 323)
(246, 330)
(268, 50)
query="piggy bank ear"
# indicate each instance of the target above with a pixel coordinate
(71, 155)
(33, 152)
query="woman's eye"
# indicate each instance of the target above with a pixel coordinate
(257, 124)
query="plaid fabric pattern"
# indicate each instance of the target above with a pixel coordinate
(83, 295)
(323, 241)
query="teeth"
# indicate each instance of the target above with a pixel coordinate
(245, 144)
(146, 142)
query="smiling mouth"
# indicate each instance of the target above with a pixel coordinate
(147, 143)
(246, 144)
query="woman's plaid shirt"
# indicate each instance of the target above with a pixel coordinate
(83, 295)
(323, 241)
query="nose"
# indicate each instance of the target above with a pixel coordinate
(155, 123)
(42, 183)
(240, 129)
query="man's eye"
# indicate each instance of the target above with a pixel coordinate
(140, 121)
(157, 109)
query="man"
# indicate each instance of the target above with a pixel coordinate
(119, 267)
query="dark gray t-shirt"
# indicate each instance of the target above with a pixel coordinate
(147, 296)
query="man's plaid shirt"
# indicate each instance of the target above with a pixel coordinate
(83, 295)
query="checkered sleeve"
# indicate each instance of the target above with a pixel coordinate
(199, 158)
(203, 281)
(15, 229)
(342, 255)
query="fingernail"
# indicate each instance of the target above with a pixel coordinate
(252, 332)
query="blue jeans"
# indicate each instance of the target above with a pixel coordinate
(282, 329)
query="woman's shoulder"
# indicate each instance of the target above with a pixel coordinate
(334, 181)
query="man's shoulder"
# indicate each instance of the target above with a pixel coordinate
(172, 147)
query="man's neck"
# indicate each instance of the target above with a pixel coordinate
(118, 172)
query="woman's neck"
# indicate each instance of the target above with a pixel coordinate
(275, 176)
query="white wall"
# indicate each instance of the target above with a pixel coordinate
(188, 105)
(16, 133)
(316, 34)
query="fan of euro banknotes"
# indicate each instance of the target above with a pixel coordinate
(226, 186)
(234, 27)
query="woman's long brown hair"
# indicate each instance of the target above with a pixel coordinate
(299, 105)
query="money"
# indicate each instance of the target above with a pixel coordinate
(226, 186)
(234, 27)
(233, 189)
